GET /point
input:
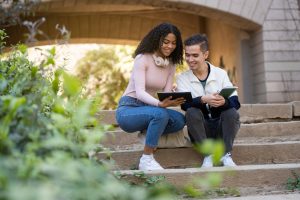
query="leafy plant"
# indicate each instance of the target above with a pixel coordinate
(212, 147)
(211, 180)
(204, 185)
(224, 192)
(148, 180)
(3, 36)
(44, 140)
(102, 72)
(293, 183)
(154, 184)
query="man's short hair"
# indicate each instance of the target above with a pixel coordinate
(200, 39)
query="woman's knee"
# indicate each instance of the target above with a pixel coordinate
(129, 121)
(179, 119)
(161, 114)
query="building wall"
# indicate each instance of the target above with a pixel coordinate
(274, 46)
(224, 43)
(276, 54)
(280, 39)
(108, 28)
(260, 38)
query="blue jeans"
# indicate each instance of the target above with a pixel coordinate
(134, 115)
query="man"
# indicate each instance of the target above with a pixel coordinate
(209, 115)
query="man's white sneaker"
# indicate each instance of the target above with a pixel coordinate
(207, 162)
(227, 160)
(148, 163)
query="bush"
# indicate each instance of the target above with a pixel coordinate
(102, 71)
(44, 139)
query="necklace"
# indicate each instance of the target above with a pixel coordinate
(159, 61)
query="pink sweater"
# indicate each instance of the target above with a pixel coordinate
(147, 79)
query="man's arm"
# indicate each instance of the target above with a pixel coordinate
(233, 100)
(195, 103)
(184, 86)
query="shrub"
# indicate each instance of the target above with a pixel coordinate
(44, 139)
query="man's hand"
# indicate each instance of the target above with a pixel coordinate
(214, 100)
(167, 102)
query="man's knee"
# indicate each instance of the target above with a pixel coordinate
(230, 114)
(193, 115)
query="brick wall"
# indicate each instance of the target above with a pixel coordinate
(276, 52)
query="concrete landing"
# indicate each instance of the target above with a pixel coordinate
(240, 176)
(265, 197)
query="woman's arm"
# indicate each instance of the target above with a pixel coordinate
(139, 76)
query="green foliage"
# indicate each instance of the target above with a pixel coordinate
(212, 147)
(211, 180)
(181, 68)
(149, 180)
(225, 192)
(102, 71)
(155, 185)
(3, 36)
(293, 183)
(221, 192)
(204, 185)
(44, 140)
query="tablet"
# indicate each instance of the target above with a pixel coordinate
(186, 95)
(227, 91)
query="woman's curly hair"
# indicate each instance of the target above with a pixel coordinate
(154, 40)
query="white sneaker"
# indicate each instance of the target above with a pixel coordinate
(148, 163)
(227, 160)
(207, 162)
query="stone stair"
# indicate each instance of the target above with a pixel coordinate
(267, 150)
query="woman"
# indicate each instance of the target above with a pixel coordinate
(154, 69)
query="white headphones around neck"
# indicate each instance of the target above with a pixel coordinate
(159, 61)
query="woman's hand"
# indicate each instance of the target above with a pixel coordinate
(214, 100)
(167, 102)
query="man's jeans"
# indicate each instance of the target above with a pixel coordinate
(133, 115)
(225, 127)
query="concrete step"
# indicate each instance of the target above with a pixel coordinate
(243, 154)
(295, 196)
(243, 140)
(266, 150)
(249, 112)
(251, 193)
(272, 131)
(240, 176)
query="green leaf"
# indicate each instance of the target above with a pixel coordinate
(34, 70)
(71, 84)
(58, 108)
(55, 85)
(22, 48)
(212, 147)
(3, 84)
(56, 82)
(50, 61)
(52, 51)
(81, 116)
